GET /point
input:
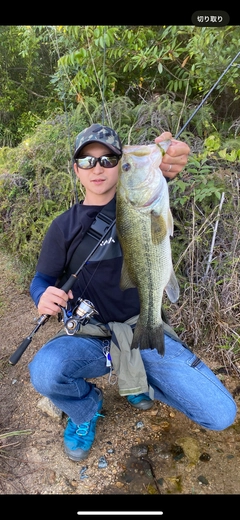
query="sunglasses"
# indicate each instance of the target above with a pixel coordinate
(106, 161)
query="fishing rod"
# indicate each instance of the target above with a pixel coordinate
(208, 94)
(83, 311)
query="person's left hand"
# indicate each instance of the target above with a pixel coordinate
(176, 157)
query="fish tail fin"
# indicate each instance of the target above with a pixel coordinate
(147, 337)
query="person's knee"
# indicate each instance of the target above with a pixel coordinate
(223, 418)
(44, 371)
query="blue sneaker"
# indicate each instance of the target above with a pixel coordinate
(78, 439)
(140, 401)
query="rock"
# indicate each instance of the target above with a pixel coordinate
(47, 406)
(203, 480)
(191, 448)
(102, 463)
(139, 450)
(205, 457)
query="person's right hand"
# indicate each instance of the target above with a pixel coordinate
(51, 299)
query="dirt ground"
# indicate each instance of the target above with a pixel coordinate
(154, 452)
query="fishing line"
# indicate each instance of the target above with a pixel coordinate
(89, 281)
(103, 78)
(208, 94)
(101, 89)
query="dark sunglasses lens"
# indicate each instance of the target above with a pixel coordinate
(86, 162)
(109, 162)
(89, 162)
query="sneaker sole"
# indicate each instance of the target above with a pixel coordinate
(76, 457)
(143, 405)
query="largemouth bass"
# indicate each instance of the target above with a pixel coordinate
(144, 225)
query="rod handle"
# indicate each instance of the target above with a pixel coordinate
(20, 350)
(69, 283)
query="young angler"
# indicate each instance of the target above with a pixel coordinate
(62, 368)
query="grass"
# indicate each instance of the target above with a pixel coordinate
(207, 314)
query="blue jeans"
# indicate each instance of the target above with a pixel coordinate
(181, 380)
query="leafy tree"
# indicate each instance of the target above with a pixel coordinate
(25, 91)
(139, 61)
(45, 69)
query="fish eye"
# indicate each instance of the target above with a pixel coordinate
(126, 167)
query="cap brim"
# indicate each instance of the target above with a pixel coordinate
(112, 148)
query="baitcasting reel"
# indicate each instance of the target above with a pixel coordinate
(79, 315)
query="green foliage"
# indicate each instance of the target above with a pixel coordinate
(138, 59)
(45, 69)
(24, 83)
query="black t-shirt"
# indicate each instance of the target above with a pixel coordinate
(99, 279)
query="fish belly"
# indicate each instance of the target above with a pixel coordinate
(146, 266)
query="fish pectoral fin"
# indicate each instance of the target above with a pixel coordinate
(170, 223)
(125, 280)
(172, 288)
(158, 228)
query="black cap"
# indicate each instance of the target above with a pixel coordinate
(98, 134)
